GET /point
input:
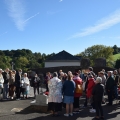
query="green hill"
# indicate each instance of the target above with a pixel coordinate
(116, 56)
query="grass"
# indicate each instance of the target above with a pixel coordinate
(116, 56)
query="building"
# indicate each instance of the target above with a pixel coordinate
(62, 58)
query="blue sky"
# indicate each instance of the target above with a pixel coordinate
(49, 26)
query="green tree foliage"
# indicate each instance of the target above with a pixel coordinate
(34, 64)
(116, 49)
(97, 51)
(5, 61)
(22, 58)
(22, 62)
(117, 64)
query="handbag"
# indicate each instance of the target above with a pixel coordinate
(78, 89)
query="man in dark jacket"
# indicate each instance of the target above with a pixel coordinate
(110, 87)
(97, 93)
(116, 78)
(18, 77)
(36, 84)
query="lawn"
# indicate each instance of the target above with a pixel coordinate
(116, 56)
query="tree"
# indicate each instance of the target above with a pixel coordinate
(116, 50)
(5, 62)
(22, 63)
(34, 64)
(97, 51)
(117, 64)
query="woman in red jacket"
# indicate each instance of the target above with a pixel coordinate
(78, 92)
(91, 84)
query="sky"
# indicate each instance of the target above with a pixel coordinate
(48, 26)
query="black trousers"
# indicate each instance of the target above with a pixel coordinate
(86, 101)
(55, 107)
(18, 90)
(98, 108)
(36, 88)
(47, 90)
(76, 102)
(110, 97)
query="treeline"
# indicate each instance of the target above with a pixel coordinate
(22, 58)
(26, 59)
(116, 49)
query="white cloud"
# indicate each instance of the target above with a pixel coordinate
(60, 0)
(16, 11)
(31, 17)
(102, 24)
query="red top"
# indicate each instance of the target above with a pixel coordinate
(78, 81)
(91, 84)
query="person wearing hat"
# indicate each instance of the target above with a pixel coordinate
(110, 87)
(97, 93)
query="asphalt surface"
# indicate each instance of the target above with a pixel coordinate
(19, 110)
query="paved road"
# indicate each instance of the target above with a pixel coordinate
(8, 112)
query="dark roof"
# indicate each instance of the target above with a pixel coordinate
(79, 57)
(63, 55)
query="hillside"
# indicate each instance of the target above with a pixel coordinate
(116, 56)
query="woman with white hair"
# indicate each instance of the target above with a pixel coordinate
(26, 84)
(97, 93)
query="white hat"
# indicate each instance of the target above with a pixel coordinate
(1, 70)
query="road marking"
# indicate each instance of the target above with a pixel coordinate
(17, 109)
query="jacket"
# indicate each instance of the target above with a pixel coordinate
(98, 92)
(91, 84)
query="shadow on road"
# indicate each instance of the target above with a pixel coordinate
(110, 112)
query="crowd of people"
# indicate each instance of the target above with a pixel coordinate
(66, 89)
(13, 84)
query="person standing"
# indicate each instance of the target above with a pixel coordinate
(110, 87)
(11, 84)
(36, 84)
(6, 85)
(18, 83)
(26, 85)
(91, 84)
(68, 93)
(97, 93)
(1, 82)
(78, 92)
(90, 72)
(55, 95)
(117, 79)
(47, 78)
